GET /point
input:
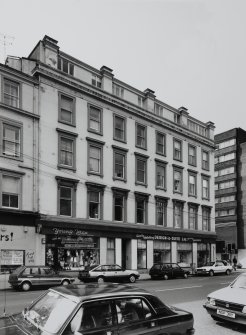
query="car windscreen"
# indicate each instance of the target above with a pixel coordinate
(240, 282)
(50, 312)
(209, 264)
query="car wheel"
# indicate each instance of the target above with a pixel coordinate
(26, 286)
(65, 282)
(165, 277)
(100, 280)
(132, 279)
(185, 275)
(228, 272)
(211, 273)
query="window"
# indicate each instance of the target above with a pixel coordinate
(96, 81)
(177, 180)
(10, 190)
(205, 160)
(205, 218)
(161, 211)
(66, 196)
(141, 136)
(225, 199)
(11, 93)
(119, 128)
(140, 101)
(118, 91)
(193, 216)
(142, 254)
(160, 144)
(66, 109)
(65, 66)
(10, 136)
(224, 172)
(95, 157)
(226, 212)
(119, 204)
(192, 184)
(160, 175)
(178, 214)
(141, 170)
(225, 158)
(205, 188)
(158, 110)
(95, 200)
(110, 250)
(67, 150)
(119, 164)
(141, 207)
(192, 155)
(95, 119)
(224, 185)
(227, 143)
(177, 150)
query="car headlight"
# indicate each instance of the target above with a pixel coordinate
(244, 310)
(211, 301)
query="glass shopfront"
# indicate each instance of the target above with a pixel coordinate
(203, 254)
(142, 254)
(184, 252)
(162, 252)
(72, 253)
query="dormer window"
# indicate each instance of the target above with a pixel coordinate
(96, 81)
(65, 66)
(159, 110)
(118, 91)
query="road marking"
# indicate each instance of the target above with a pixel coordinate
(227, 283)
(178, 288)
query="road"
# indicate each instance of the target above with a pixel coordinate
(188, 294)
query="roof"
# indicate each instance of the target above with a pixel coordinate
(85, 291)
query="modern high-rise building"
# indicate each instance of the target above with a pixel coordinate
(111, 173)
(230, 191)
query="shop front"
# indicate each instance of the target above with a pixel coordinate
(162, 252)
(184, 252)
(203, 254)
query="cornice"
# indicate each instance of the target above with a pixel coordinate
(20, 111)
(18, 74)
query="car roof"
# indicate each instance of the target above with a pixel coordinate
(81, 292)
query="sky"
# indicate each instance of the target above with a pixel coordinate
(192, 53)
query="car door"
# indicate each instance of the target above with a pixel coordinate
(119, 274)
(135, 317)
(176, 271)
(219, 267)
(32, 274)
(48, 277)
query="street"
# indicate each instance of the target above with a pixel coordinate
(188, 294)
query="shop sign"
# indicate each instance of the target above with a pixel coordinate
(6, 237)
(12, 257)
(61, 231)
(166, 238)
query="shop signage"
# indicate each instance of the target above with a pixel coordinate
(6, 237)
(77, 232)
(12, 257)
(167, 238)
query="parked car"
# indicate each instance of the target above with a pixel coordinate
(109, 273)
(98, 309)
(229, 303)
(167, 270)
(213, 268)
(26, 277)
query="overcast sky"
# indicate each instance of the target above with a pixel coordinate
(192, 53)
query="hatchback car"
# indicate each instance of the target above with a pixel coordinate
(109, 273)
(98, 309)
(229, 303)
(213, 268)
(26, 277)
(167, 270)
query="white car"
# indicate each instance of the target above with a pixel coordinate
(229, 303)
(109, 272)
(213, 268)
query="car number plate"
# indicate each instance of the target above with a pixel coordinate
(225, 313)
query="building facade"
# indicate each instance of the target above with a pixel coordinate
(230, 186)
(122, 177)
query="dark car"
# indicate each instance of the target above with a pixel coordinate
(167, 270)
(109, 273)
(26, 277)
(98, 309)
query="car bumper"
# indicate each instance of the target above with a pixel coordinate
(240, 318)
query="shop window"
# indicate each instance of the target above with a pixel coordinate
(119, 128)
(162, 252)
(177, 150)
(141, 254)
(11, 259)
(95, 119)
(141, 208)
(66, 109)
(110, 251)
(11, 190)
(95, 201)
(11, 139)
(160, 143)
(66, 196)
(178, 214)
(11, 93)
(192, 155)
(141, 136)
(119, 156)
